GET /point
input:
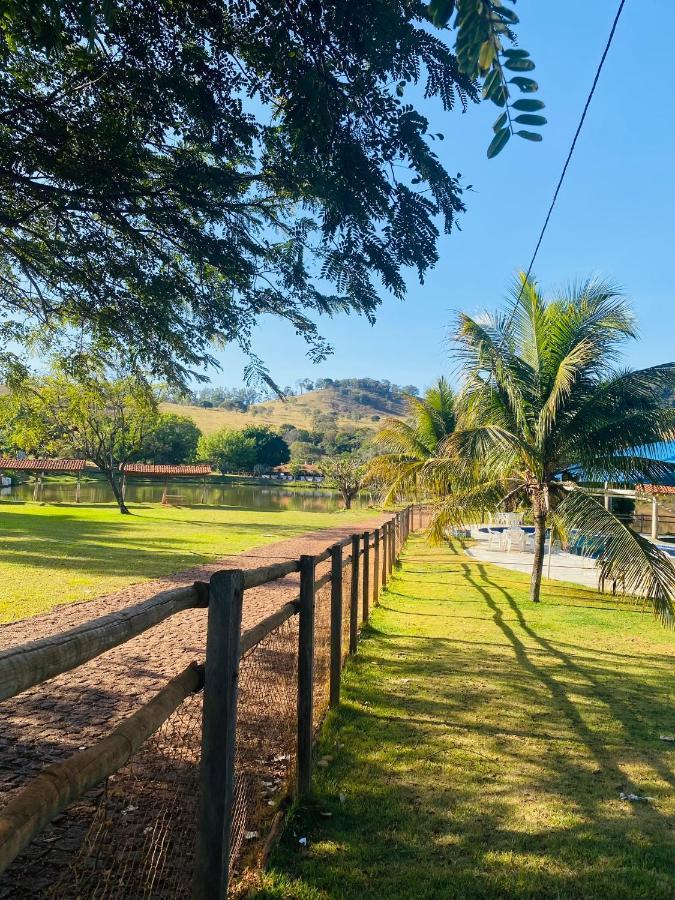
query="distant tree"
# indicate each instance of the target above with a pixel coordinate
(296, 469)
(304, 451)
(174, 441)
(411, 390)
(270, 448)
(228, 450)
(102, 418)
(346, 473)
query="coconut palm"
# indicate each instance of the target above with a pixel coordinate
(408, 447)
(544, 413)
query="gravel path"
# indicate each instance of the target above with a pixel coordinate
(50, 721)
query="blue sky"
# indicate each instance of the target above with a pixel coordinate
(614, 218)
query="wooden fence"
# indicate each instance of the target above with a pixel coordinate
(359, 567)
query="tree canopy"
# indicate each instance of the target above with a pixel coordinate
(228, 450)
(270, 448)
(544, 414)
(173, 441)
(102, 418)
(171, 171)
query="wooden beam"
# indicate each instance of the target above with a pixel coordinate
(335, 624)
(43, 798)
(260, 631)
(366, 576)
(354, 597)
(219, 729)
(306, 675)
(263, 574)
(29, 664)
(376, 568)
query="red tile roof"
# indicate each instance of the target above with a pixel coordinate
(655, 488)
(42, 465)
(146, 469)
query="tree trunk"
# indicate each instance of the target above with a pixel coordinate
(347, 498)
(117, 492)
(539, 510)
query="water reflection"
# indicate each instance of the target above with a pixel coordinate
(244, 496)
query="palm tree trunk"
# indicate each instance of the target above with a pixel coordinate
(539, 510)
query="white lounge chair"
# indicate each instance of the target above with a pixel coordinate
(515, 539)
(497, 541)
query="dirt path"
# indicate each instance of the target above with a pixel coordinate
(50, 721)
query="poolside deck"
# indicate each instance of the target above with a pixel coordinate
(564, 566)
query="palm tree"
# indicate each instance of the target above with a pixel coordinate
(410, 446)
(543, 412)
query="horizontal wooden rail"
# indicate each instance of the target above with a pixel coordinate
(264, 574)
(323, 581)
(259, 632)
(26, 665)
(60, 784)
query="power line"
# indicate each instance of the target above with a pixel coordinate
(569, 157)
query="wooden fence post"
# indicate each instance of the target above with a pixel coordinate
(219, 727)
(385, 542)
(366, 576)
(335, 623)
(354, 597)
(392, 548)
(376, 568)
(306, 674)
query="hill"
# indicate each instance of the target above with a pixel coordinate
(346, 409)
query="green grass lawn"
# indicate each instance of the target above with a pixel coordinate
(63, 553)
(482, 745)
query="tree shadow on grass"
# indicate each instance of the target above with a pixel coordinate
(486, 768)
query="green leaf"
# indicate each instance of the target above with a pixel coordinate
(499, 141)
(507, 14)
(530, 135)
(519, 65)
(501, 122)
(512, 53)
(440, 11)
(527, 119)
(528, 105)
(527, 85)
(491, 81)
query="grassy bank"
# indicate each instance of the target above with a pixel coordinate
(57, 554)
(482, 746)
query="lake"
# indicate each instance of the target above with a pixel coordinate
(243, 496)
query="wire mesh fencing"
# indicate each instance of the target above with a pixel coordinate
(141, 842)
(148, 835)
(266, 739)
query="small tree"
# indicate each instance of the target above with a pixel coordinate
(174, 441)
(105, 419)
(228, 450)
(270, 448)
(346, 473)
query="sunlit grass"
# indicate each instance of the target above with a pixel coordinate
(60, 554)
(482, 745)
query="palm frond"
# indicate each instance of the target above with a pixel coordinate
(647, 571)
(468, 507)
